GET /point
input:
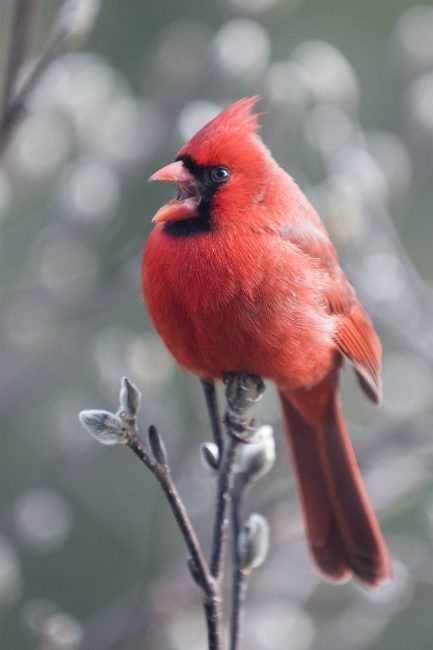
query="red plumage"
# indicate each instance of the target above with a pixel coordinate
(239, 274)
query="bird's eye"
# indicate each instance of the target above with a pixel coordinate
(220, 174)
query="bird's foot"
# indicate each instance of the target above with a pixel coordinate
(243, 390)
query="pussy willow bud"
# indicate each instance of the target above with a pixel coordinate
(253, 542)
(107, 428)
(210, 457)
(257, 456)
(156, 445)
(129, 397)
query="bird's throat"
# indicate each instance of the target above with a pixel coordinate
(189, 227)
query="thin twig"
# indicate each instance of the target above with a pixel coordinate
(249, 539)
(211, 603)
(221, 520)
(242, 391)
(240, 578)
(18, 47)
(213, 411)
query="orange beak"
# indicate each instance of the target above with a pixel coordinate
(185, 206)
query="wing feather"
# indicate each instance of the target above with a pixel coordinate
(354, 334)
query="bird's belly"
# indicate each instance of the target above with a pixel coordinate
(292, 346)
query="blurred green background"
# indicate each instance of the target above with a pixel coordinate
(89, 556)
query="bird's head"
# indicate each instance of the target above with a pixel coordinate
(220, 173)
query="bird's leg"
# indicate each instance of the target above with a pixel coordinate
(214, 416)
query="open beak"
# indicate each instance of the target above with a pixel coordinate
(185, 205)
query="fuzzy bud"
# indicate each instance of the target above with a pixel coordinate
(156, 445)
(107, 428)
(253, 543)
(257, 456)
(210, 457)
(129, 397)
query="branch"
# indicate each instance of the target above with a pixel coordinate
(253, 460)
(242, 392)
(197, 564)
(249, 541)
(239, 578)
(212, 407)
(121, 428)
(221, 520)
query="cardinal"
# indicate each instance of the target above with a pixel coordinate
(240, 275)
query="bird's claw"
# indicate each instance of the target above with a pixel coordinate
(242, 389)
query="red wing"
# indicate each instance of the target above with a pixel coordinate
(354, 334)
(357, 340)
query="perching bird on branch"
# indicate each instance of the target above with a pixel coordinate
(240, 275)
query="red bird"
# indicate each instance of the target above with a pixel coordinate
(240, 275)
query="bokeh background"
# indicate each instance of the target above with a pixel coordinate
(89, 556)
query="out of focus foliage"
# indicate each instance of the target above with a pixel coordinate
(89, 557)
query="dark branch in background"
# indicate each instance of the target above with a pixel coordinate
(17, 104)
(18, 47)
(254, 460)
(72, 23)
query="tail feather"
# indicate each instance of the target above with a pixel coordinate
(343, 534)
(321, 526)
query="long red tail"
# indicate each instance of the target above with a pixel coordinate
(343, 534)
